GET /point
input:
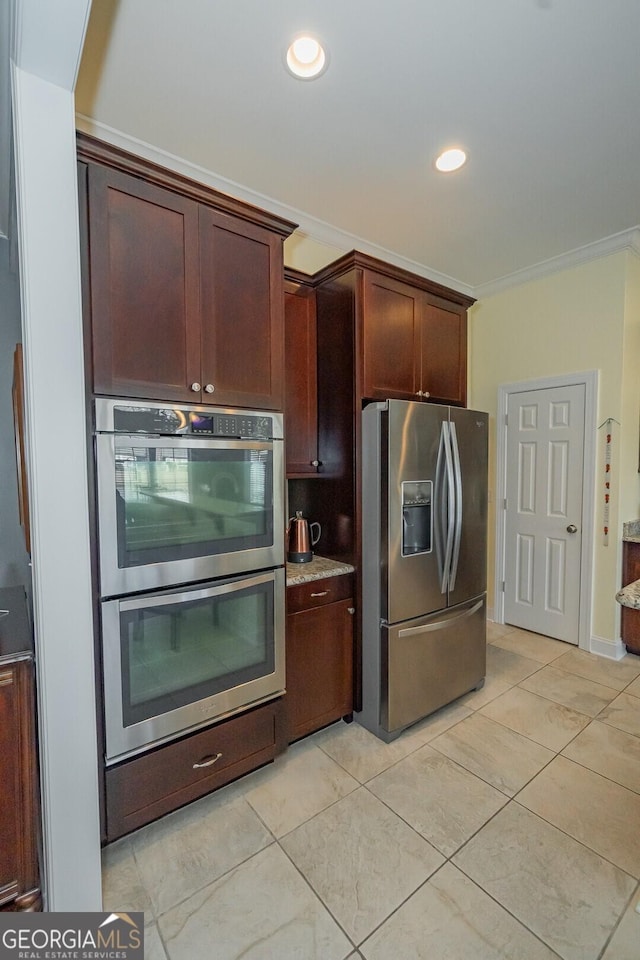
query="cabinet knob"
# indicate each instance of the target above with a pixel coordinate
(418, 393)
(196, 387)
(316, 463)
(426, 394)
(351, 610)
(209, 388)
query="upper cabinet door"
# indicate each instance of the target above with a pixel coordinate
(144, 288)
(391, 311)
(301, 390)
(443, 351)
(242, 312)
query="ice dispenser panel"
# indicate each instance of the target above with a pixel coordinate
(416, 517)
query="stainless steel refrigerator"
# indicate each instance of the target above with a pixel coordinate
(424, 542)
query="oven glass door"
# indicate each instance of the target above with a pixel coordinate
(178, 659)
(172, 510)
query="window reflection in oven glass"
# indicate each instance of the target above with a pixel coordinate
(176, 503)
(175, 654)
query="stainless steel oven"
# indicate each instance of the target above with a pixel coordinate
(186, 493)
(175, 660)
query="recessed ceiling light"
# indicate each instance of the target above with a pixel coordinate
(306, 58)
(451, 160)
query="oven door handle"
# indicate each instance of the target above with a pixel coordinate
(207, 761)
(175, 595)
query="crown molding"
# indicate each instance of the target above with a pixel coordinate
(323, 233)
(316, 230)
(625, 240)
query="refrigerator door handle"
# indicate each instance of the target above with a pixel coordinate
(450, 508)
(439, 511)
(457, 475)
(441, 624)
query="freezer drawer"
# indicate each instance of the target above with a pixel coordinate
(429, 662)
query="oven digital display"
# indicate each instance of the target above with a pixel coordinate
(200, 424)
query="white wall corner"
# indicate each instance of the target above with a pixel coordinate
(612, 649)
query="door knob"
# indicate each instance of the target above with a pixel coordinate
(572, 528)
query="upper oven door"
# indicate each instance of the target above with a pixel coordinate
(173, 509)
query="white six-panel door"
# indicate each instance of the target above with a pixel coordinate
(544, 482)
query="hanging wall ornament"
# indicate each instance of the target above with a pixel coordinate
(607, 478)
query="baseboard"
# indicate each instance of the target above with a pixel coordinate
(613, 649)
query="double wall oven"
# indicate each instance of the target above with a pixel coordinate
(191, 566)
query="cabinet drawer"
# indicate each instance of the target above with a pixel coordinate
(140, 790)
(315, 593)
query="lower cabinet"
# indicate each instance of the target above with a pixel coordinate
(19, 874)
(319, 654)
(630, 618)
(145, 788)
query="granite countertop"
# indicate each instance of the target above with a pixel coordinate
(316, 569)
(631, 531)
(629, 596)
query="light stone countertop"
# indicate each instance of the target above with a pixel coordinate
(631, 531)
(629, 596)
(316, 569)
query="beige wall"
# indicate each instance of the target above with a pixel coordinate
(584, 318)
(630, 419)
(309, 256)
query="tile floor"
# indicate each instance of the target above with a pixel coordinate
(507, 825)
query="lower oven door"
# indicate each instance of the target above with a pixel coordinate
(176, 660)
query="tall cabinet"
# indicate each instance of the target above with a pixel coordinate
(183, 292)
(382, 332)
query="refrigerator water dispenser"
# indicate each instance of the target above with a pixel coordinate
(416, 516)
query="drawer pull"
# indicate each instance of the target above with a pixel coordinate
(323, 594)
(207, 762)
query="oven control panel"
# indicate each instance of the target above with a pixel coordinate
(230, 425)
(158, 420)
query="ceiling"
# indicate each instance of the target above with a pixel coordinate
(543, 94)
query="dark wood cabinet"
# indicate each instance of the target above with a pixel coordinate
(300, 382)
(391, 326)
(184, 286)
(242, 312)
(145, 307)
(443, 351)
(630, 618)
(382, 332)
(414, 344)
(319, 654)
(19, 817)
(145, 788)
